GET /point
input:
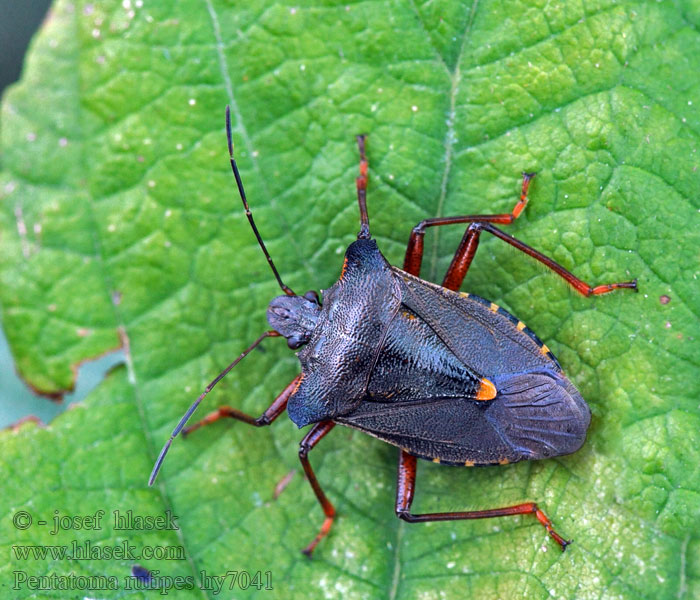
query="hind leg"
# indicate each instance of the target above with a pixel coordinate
(406, 485)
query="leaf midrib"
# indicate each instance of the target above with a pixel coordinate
(450, 140)
(448, 145)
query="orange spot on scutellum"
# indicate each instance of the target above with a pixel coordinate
(487, 391)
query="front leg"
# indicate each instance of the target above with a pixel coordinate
(271, 413)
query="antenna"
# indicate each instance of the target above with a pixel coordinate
(195, 404)
(248, 214)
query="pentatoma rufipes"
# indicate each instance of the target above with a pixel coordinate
(443, 375)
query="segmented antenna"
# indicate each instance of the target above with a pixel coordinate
(195, 404)
(248, 214)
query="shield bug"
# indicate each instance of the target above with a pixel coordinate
(443, 375)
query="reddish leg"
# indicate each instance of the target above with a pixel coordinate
(580, 286)
(312, 438)
(462, 259)
(405, 486)
(414, 251)
(361, 184)
(467, 248)
(273, 411)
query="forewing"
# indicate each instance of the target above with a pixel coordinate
(414, 363)
(536, 414)
(486, 338)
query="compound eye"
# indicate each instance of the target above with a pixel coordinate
(312, 296)
(295, 342)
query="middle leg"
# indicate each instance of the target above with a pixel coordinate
(414, 251)
(271, 413)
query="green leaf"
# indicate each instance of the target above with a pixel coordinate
(120, 226)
